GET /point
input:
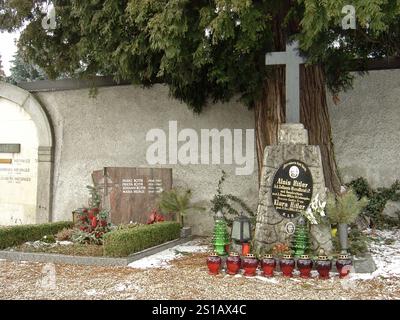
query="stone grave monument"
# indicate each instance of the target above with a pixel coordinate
(292, 173)
(132, 193)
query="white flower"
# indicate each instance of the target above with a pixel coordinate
(207, 32)
(313, 205)
(315, 210)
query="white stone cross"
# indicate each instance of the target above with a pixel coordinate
(292, 60)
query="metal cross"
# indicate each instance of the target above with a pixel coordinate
(105, 185)
(292, 60)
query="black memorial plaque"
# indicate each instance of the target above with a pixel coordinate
(292, 188)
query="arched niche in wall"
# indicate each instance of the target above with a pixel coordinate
(31, 107)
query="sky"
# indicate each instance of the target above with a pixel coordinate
(7, 49)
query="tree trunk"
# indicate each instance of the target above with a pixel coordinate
(270, 113)
(315, 117)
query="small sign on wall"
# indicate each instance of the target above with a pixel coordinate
(10, 148)
(5, 161)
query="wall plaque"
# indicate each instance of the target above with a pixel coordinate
(292, 188)
(132, 193)
(10, 148)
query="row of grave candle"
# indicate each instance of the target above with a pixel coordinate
(287, 264)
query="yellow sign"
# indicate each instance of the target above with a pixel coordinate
(5, 161)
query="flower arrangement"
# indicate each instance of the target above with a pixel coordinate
(280, 249)
(315, 213)
(92, 225)
(154, 217)
(92, 222)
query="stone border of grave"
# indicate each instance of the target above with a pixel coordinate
(94, 261)
(87, 260)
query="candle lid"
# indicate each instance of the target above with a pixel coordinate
(250, 255)
(233, 254)
(323, 257)
(344, 256)
(287, 256)
(304, 256)
(268, 256)
(214, 254)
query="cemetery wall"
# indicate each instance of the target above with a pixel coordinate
(110, 131)
(366, 128)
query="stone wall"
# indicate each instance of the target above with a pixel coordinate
(110, 130)
(366, 128)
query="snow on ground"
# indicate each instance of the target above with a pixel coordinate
(384, 247)
(385, 250)
(162, 259)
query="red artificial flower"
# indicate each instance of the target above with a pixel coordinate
(94, 222)
(155, 217)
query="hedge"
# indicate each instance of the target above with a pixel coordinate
(16, 235)
(122, 243)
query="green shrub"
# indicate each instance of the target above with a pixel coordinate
(344, 208)
(122, 243)
(178, 201)
(16, 235)
(361, 187)
(377, 199)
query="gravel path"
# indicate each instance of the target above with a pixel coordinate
(187, 278)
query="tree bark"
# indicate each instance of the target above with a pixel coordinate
(314, 115)
(270, 113)
(270, 109)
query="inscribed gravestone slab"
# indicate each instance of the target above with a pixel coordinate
(132, 192)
